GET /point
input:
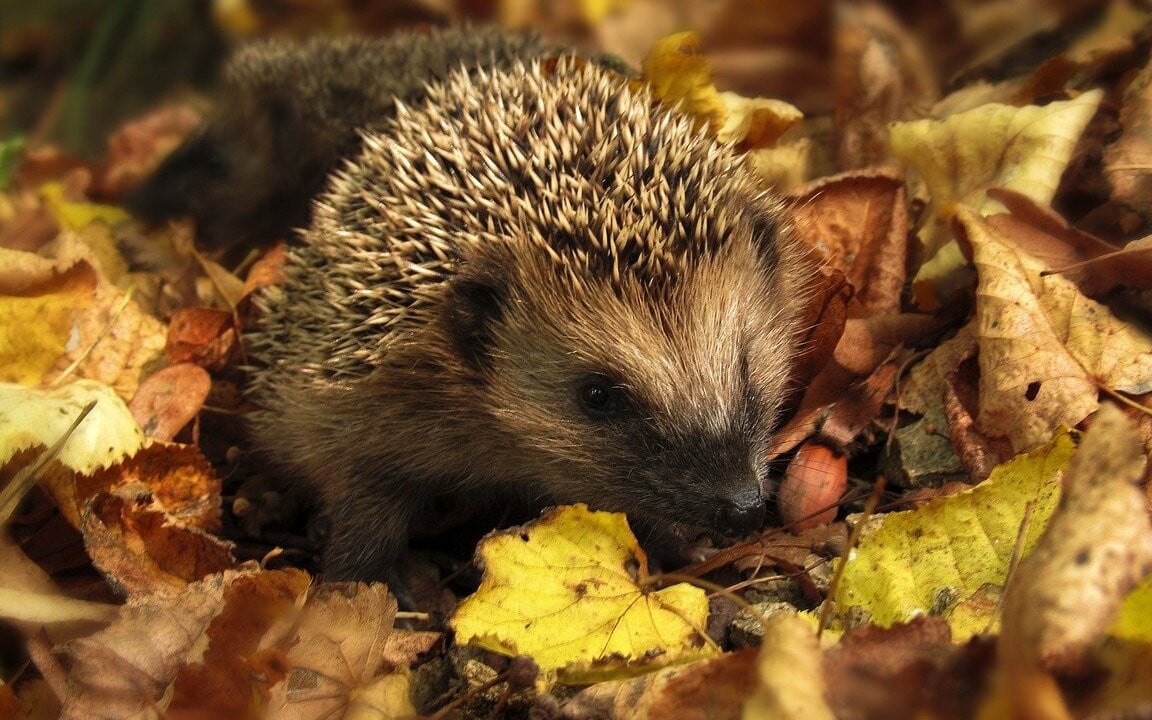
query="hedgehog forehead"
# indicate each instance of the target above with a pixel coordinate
(682, 353)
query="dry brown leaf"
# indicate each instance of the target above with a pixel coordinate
(881, 74)
(711, 689)
(127, 668)
(223, 682)
(141, 551)
(137, 147)
(1097, 547)
(268, 270)
(170, 399)
(1044, 347)
(204, 336)
(848, 392)
(882, 672)
(1095, 266)
(858, 223)
(343, 657)
(1128, 159)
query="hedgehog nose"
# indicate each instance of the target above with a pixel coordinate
(743, 513)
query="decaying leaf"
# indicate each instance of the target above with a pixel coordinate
(342, 657)
(572, 591)
(1097, 547)
(36, 322)
(1023, 149)
(912, 561)
(1043, 347)
(790, 672)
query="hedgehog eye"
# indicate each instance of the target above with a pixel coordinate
(602, 397)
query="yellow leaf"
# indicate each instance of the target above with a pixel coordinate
(1134, 621)
(680, 75)
(37, 322)
(30, 417)
(960, 157)
(77, 215)
(754, 123)
(571, 590)
(954, 545)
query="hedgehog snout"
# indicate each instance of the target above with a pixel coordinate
(741, 511)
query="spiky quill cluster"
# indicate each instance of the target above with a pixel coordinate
(564, 159)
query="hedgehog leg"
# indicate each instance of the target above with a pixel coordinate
(369, 533)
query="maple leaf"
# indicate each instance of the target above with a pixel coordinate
(571, 590)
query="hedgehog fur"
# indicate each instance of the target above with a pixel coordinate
(288, 113)
(534, 281)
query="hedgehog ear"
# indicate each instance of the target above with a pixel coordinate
(765, 236)
(475, 304)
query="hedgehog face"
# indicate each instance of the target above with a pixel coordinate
(650, 399)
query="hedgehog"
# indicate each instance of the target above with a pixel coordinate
(536, 283)
(287, 114)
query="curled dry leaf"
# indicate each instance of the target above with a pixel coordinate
(169, 399)
(572, 591)
(790, 672)
(1043, 347)
(1096, 548)
(1025, 149)
(342, 655)
(204, 336)
(858, 223)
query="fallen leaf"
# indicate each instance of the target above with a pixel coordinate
(37, 418)
(129, 667)
(910, 563)
(882, 672)
(790, 671)
(170, 399)
(220, 681)
(572, 591)
(1043, 347)
(36, 323)
(881, 74)
(858, 223)
(1022, 149)
(712, 689)
(204, 336)
(1095, 549)
(343, 656)
(680, 75)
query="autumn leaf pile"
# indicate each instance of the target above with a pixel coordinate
(963, 502)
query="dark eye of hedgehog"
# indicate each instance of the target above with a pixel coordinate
(601, 397)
